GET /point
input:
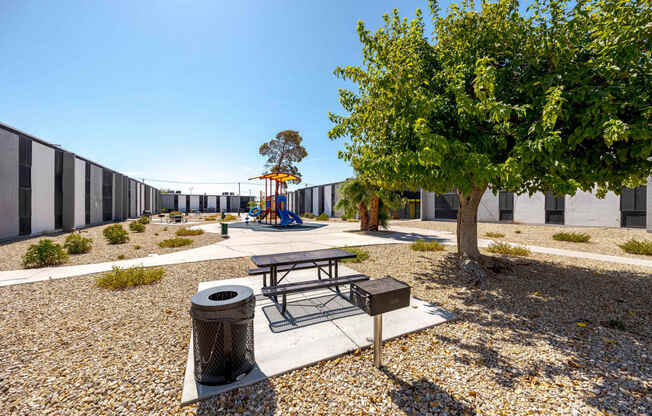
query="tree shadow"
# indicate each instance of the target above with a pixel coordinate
(256, 399)
(423, 397)
(597, 320)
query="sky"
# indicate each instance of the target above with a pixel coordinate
(183, 90)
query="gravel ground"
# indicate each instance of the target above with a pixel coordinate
(11, 254)
(515, 349)
(603, 240)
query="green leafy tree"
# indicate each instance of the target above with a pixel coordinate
(284, 152)
(555, 100)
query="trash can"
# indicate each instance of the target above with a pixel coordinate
(225, 229)
(223, 333)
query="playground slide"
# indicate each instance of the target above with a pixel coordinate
(295, 217)
(288, 217)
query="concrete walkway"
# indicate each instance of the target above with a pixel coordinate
(245, 243)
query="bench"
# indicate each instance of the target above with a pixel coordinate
(298, 287)
(299, 266)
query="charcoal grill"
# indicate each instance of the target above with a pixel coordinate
(376, 297)
(223, 333)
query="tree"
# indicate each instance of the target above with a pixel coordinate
(283, 152)
(555, 101)
(371, 203)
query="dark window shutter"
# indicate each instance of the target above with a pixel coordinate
(627, 200)
(641, 198)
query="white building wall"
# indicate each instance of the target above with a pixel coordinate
(649, 205)
(182, 203)
(212, 202)
(315, 200)
(427, 205)
(42, 188)
(80, 193)
(586, 209)
(142, 199)
(194, 202)
(223, 203)
(530, 210)
(489, 209)
(328, 203)
(96, 194)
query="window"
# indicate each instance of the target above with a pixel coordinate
(633, 207)
(187, 202)
(58, 189)
(87, 202)
(24, 185)
(554, 208)
(176, 202)
(446, 206)
(506, 205)
(321, 200)
(107, 195)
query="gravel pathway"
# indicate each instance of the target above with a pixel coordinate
(139, 245)
(604, 240)
(555, 336)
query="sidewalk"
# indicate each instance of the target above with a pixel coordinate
(245, 243)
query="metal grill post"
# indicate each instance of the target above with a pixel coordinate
(378, 340)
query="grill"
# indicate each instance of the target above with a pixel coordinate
(377, 297)
(223, 333)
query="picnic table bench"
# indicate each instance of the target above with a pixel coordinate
(287, 262)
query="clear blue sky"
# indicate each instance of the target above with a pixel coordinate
(182, 90)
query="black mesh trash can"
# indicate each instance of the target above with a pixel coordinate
(223, 333)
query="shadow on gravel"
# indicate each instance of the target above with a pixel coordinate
(598, 319)
(403, 236)
(257, 399)
(435, 397)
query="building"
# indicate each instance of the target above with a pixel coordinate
(44, 188)
(205, 203)
(583, 209)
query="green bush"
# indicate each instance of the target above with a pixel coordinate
(507, 249)
(183, 231)
(165, 228)
(229, 217)
(360, 254)
(495, 235)
(322, 217)
(210, 218)
(308, 215)
(422, 245)
(136, 227)
(115, 234)
(134, 276)
(638, 247)
(76, 244)
(175, 242)
(45, 253)
(137, 247)
(344, 218)
(572, 237)
(121, 257)
(174, 213)
(143, 220)
(518, 231)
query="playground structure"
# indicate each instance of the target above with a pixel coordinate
(272, 206)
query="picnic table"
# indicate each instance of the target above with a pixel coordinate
(325, 261)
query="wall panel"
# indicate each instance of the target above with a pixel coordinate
(315, 200)
(649, 204)
(96, 194)
(328, 203)
(68, 191)
(212, 203)
(8, 184)
(42, 188)
(488, 210)
(586, 209)
(194, 202)
(530, 210)
(80, 193)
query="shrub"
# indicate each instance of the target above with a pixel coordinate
(165, 228)
(76, 244)
(517, 231)
(134, 276)
(143, 220)
(638, 247)
(572, 237)
(175, 242)
(360, 254)
(173, 213)
(423, 245)
(183, 231)
(137, 247)
(45, 253)
(507, 249)
(322, 217)
(344, 218)
(115, 234)
(136, 227)
(495, 235)
(308, 215)
(210, 218)
(229, 217)
(121, 257)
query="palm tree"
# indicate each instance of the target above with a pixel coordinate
(371, 203)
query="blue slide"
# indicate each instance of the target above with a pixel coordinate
(287, 217)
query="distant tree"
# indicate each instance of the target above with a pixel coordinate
(284, 152)
(554, 100)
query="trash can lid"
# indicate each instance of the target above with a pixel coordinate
(222, 297)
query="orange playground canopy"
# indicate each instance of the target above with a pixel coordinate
(279, 177)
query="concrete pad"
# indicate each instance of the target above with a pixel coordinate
(279, 352)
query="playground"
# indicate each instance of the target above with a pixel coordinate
(271, 211)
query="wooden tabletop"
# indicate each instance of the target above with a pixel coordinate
(281, 259)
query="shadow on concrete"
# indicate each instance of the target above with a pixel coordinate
(254, 226)
(598, 319)
(424, 397)
(256, 399)
(405, 236)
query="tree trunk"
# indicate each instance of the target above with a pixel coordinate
(467, 223)
(364, 217)
(373, 213)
